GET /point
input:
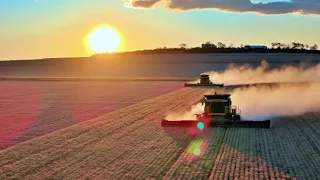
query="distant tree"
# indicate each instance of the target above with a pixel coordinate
(314, 47)
(221, 45)
(183, 46)
(301, 46)
(306, 46)
(231, 45)
(297, 45)
(294, 45)
(284, 46)
(276, 45)
(241, 46)
(208, 44)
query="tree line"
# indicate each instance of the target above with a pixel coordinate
(293, 45)
(275, 45)
(209, 47)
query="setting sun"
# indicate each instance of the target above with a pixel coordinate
(104, 39)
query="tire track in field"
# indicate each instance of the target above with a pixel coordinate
(79, 136)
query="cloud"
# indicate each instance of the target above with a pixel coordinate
(146, 4)
(262, 7)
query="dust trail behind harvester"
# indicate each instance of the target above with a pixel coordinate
(188, 115)
(264, 102)
(246, 74)
(259, 103)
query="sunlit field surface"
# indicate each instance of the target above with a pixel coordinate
(33, 108)
(130, 144)
(105, 129)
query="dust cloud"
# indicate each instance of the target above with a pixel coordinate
(266, 101)
(188, 115)
(246, 74)
(261, 103)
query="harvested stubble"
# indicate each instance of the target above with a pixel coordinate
(33, 108)
(131, 144)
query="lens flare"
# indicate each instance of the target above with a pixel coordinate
(200, 125)
(197, 151)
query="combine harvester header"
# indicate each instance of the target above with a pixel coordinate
(204, 81)
(218, 112)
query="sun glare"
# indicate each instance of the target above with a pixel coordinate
(104, 39)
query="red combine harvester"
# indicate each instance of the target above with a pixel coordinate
(204, 81)
(218, 112)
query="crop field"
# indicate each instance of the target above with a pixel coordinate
(32, 108)
(153, 65)
(129, 143)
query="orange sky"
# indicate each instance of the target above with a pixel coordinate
(59, 28)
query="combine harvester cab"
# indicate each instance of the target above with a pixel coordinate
(204, 81)
(218, 112)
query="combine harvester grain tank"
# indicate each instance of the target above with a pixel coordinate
(218, 112)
